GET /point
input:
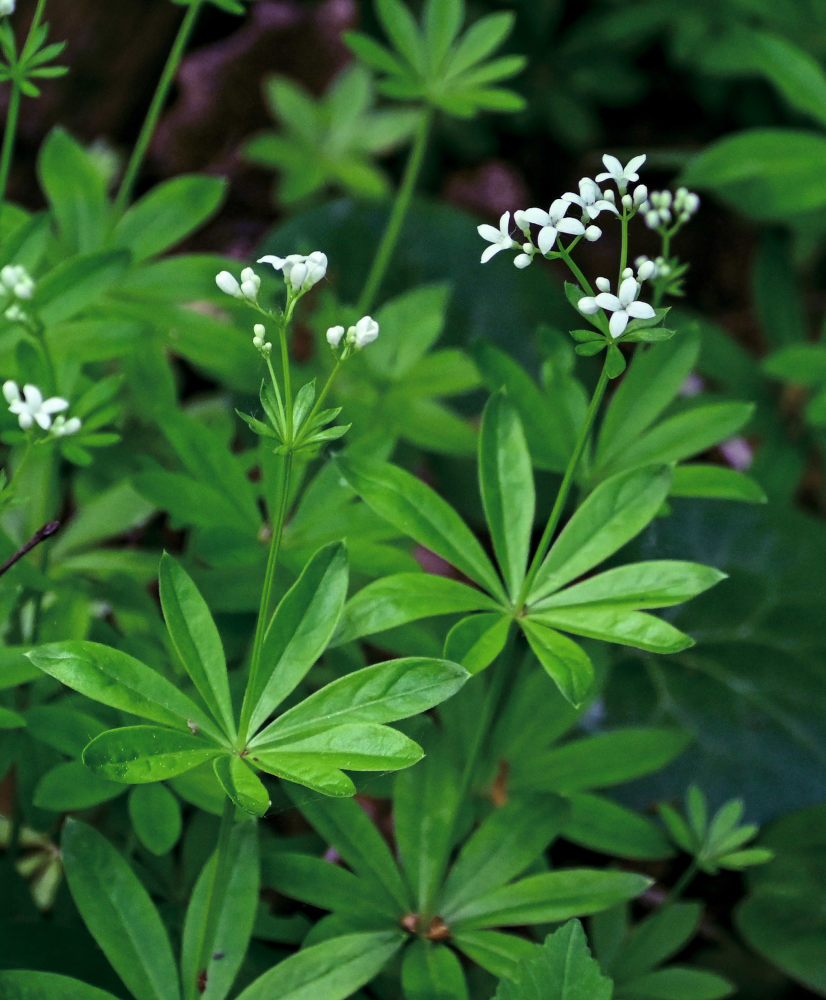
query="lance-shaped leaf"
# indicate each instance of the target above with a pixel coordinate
(503, 846)
(345, 826)
(300, 630)
(506, 485)
(612, 624)
(431, 970)
(242, 784)
(495, 951)
(381, 693)
(476, 641)
(551, 896)
(358, 747)
(605, 826)
(564, 661)
(196, 640)
(326, 885)
(236, 915)
(116, 679)
(119, 914)
(306, 769)
(417, 511)
(656, 584)
(20, 984)
(406, 597)
(334, 969)
(140, 754)
(612, 515)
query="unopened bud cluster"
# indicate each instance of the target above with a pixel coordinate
(300, 272)
(246, 288)
(261, 344)
(16, 286)
(661, 208)
(354, 337)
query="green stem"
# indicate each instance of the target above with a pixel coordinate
(153, 114)
(681, 884)
(321, 397)
(396, 220)
(215, 899)
(496, 675)
(285, 371)
(623, 248)
(266, 599)
(565, 486)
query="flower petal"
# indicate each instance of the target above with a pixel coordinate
(618, 323)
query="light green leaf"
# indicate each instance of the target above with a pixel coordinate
(196, 640)
(405, 597)
(236, 915)
(155, 814)
(476, 641)
(442, 21)
(506, 485)
(76, 191)
(565, 661)
(77, 282)
(141, 754)
(119, 914)
(715, 482)
(419, 512)
(430, 971)
(306, 769)
(363, 746)
(479, 41)
(616, 511)
(403, 31)
(616, 624)
(241, 784)
(109, 676)
(299, 631)
(334, 969)
(381, 693)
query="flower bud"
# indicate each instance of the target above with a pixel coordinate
(627, 203)
(363, 333)
(592, 234)
(640, 195)
(522, 260)
(7, 7)
(334, 335)
(603, 284)
(228, 284)
(646, 269)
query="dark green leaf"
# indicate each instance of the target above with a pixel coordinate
(77, 282)
(476, 641)
(431, 971)
(156, 817)
(616, 624)
(602, 825)
(141, 754)
(676, 983)
(242, 784)
(565, 661)
(71, 786)
(656, 939)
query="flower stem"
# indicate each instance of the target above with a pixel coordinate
(130, 175)
(215, 899)
(565, 486)
(394, 223)
(266, 599)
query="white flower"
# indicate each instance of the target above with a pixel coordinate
(553, 223)
(500, 239)
(228, 284)
(63, 427)
(623, 307)
(300, 272)
(621, 175)
(17, 280)
(363, 333)
(334, 335)
(31, 407)
(7, 7)
(590, 199)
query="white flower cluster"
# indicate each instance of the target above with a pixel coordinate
(7, 7)
(661, 207)
(247, 288)
(300, 272)
(357, 336)
(31, 408)
(15, 283)
(624, 305)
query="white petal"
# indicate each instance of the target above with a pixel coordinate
(54, 405)
(488, 233)
(618, 323)
(612, 165)
(628, 290)
(33, 397)
(640, 310)
(277, 262)
(546, 238)
(607, 301)
(536, 216)
(489, 252)
(588, 306)
(634, 165)
(11, 392)
(571, 226)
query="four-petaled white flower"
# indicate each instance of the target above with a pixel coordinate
(619, 174)
(552, 223)
(31, 407)
(300, 272)
(590, 199)
(500, 239)
(623, 307)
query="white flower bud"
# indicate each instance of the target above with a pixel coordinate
(259, 330)
(592, 234)
(61, 427)
(228, 284)
(646, 270)
(603, 284)
(628, 272)
(249, 289)
(627, 203)
(652, 218)
(334, 335)
(640, 195)
(608, 195)
(522, 260)
(7, 7)
(363, 333)
(24, 289)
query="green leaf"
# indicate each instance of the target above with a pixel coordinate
(560, 969)
(324, 884)
(168, 213)
(236, 915)
(442, 22)
(373, 54)
(655, 939)
(676, 983)
(419, 512)
(155, 814)
(803, 364)
(77, 282)
(497, 952)
(299, 631)
(616, 511)
(503, 846)
(334, 969)
(71, 786)
(602, 825)
(768, 173)
(564, 661)
(24, 985)
(344, 825)
(242, 784)
(654, 378)
(381, 693)
(306, 769)
(403, 31)
(431, 971)
(360, 747)
(551, 896)
(119, 914)
(476, 641)
(715, 482)
(405, 597)
(479, 41)
(75, 190)
(614, 362)
(109, 676)
(616, 624)
(396, 352)
(656, 584)
(506, 485)
(141, 754)
(196, 640)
